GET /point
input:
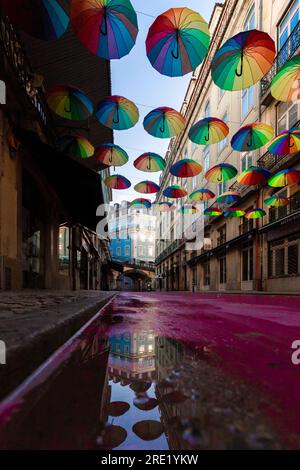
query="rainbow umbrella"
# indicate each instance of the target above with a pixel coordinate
(189, 209)
(213, 211)
(256, 213)
(277, 201)
(117, 112)
(220, 173)
(228, 197)
(150, 162)
(252, 137)
(285, 84)
(117, 182)
(177, 42)
(174, 192)
(243, 60)
(43, 19)
(146, 187)
(107, 28)
(76, 146)
(208, 131)
(202, 194)
(234, 212)
(253, 175)
(164, 122)
(286, 143)
(111, 155)
(284, 178)
(186, 168)
(165, 206)
(141, 203)
(69, 102)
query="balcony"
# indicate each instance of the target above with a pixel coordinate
(287, 51)
(174, 245)
(221, 239)
(246, 227)
(278, 213)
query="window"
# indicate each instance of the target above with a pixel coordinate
(222, 267)
(206, 273)
(221, 188)
(127, 250)
(118, 251)
(221, 235)
(63, 249)
(276, 213)
(141, 250)
(249, 22)
(284, 257)
(206, 158)
(287, 116)
(246, 161)
(207, 109)
(288, 24)
(223, 143)
(247, 262)
(247, 100)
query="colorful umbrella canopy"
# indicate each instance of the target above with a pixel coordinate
(220, 173)
(177, 42)
(146, 187)
(141, 203)
(113, 436)
(107, 28)
(208, 131)
(117, 112)
(165, 206)
(164, 122)
(285, 84)
(150, 162)
(117, 182)
(243, 60)
(148, 430)
(43, 19)
(252, 137)
(145, 404)
(228, 197)
(234, 212)
(213, 211)
(253, 175)
(111, 155)
(277, 201)
(117, 408)
(186, 168)
(286, 143)
(175, 192)
(69, 102)
(189, 209)
(256, 213)
(284, 178)
(76, 146)
(202, 194)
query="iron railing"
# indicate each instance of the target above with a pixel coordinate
(11, 46)
(169, 250)
(277, 213)
(287, 51)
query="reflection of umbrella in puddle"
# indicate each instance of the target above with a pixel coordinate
(145, 403)
(117, 408)
(148, 430)
(113, 436)
(174, 397)
(140, 387)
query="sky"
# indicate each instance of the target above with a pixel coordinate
(134, 78)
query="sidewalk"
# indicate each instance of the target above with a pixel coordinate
(33, 324)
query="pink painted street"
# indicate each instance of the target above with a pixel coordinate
(167, 371)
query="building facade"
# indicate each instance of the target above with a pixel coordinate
(236, 254)
(48, 200)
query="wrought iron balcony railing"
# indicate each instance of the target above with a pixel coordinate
(277, 213)
(174, 245)
(287, 51)
(11, 47)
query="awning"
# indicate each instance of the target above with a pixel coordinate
(78, 187)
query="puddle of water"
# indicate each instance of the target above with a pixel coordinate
(110, 389)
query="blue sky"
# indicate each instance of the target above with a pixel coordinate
(134, 78)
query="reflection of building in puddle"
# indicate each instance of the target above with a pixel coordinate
(132, 357)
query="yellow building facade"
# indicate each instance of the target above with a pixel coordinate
(236, 254)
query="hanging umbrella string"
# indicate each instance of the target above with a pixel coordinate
(176, 54)
(104, 31)
(240, 73)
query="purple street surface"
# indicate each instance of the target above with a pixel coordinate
(167, 370)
